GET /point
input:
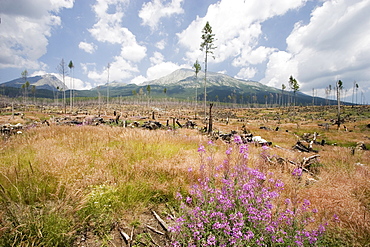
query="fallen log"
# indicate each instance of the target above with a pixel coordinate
(304, 164)
(125, 236)
(307, 161)
(154, 230)
(301, 147)
(161, 222)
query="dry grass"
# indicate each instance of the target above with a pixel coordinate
(54, 171)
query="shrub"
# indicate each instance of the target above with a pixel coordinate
(235, 205)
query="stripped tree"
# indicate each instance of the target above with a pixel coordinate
(62, 70)
(197, 68)
(71, 66)
(207, 46)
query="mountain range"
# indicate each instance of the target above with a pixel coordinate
(181, 84)
(47, 81)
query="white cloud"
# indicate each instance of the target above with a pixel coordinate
(152, 12)
(87, 47)
(334, 44)
(109, 28)
(138, 80)
(255, 56)
(246, 73)
(119, 70)
(238, 36)
(157, 58)
(161, 44)
(132, 51)
(279, 68)
(26, 27)
(161, 69)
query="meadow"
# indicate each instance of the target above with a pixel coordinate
(85, 185)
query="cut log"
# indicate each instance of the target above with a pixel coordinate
(301, 147)
(161, 222)
(307, 161)
(125, 236)
(154, 230)
(152, 240)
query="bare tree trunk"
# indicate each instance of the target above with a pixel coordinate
(210, 119)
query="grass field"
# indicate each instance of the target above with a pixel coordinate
(82, 185)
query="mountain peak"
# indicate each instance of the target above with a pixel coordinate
(187, 78)
(46, 81)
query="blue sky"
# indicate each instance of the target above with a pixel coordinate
(318, 42)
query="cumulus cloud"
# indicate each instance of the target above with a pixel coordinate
(133, 51)
(333, 45)
(119, 70)
(246, 73)
(87, 47)
(158, 69)
(109, 28)
(26, 27)
(138, 80)
(161, 69)
(279, 68)
(157, 58)
(161, 44)
(152, 12)
(238, 36)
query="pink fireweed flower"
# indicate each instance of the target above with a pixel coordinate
(297, 172)
(306, 202)
(188, 200)
(238, 139)
(265, 147)
(219, 167)
(335, 218)
(201, 149)
(210, 142)
(178, 196)
(243, 149)
(279, 184)
(211, 240)
(228, 151)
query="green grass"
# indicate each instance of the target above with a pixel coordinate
(59, 181)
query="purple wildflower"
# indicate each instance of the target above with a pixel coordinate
(211, 240)
(335, 218)
(265, 147)
(297, 172)
(188, 200)
(201, 149)
(237, 139)
(222, 209)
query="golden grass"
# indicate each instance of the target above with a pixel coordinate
(58, 167)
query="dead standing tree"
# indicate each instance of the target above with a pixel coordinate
(62, 70)
(210, 125)
(207, 46)
(339, 88)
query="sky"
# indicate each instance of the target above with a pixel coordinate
(318, 42)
